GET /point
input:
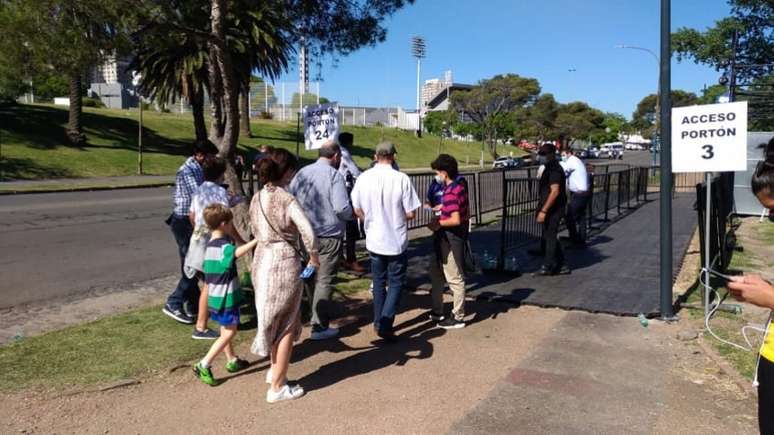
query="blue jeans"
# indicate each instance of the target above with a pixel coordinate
(187, 289)
(389, 275)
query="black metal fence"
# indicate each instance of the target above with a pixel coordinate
(721, 238)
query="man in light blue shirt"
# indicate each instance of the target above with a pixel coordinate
(322, 193)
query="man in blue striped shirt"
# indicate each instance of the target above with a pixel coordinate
(188, 178)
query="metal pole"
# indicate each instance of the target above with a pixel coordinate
(283, 101)
(298, 134)
(707, 259)
(266, 96)
(665, 222)
(139, 143)
(419, 113)
(318, 92)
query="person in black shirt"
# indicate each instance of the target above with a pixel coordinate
(550, 211)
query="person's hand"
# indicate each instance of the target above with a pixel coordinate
(752, 289)
(541, 216)
(314, 261)
(438, 207)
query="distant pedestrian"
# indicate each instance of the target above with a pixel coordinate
(224, 295)
(283, 233)
(385, 200)
(551, 208)
(450, 238)
(182, 305)
(321, 192)
(350, 171)
(580, 192)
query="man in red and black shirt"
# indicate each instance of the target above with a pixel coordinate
(450, 240)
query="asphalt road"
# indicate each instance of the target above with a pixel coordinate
(59, 244)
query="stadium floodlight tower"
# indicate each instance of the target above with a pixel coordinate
(418, 50)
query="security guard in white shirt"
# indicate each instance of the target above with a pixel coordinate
(580, 192)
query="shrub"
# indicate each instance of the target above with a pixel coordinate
(266, 115)
(92, 102)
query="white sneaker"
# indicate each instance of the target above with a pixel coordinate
(285, 393)
(325, 334)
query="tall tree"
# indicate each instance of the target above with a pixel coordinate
(538, 121)
(644, 117)
(577, 120)
(492, 102)
(67, 36)
(752, 20)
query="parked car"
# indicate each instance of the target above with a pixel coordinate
(616, 151)
(582, 154)
(598, 153)
(506, 162)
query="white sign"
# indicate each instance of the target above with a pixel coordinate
(709, 138)
(321, 124)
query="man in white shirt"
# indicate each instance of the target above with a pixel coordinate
(386, 200)
(580, 192)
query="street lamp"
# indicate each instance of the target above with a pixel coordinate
(654, 145)
(418, 50)
(136, 80)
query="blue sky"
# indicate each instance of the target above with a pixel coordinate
(534, 38)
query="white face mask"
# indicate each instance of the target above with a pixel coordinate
(439, 179)
(565, 157)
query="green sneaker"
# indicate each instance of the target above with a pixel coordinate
(205, 374)
(237, 365)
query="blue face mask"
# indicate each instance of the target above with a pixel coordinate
(565, 157)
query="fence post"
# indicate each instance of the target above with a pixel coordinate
(251, 178)
(478, 196)
(628, 188)
(618, 194)
(607, 195)
(503, 226)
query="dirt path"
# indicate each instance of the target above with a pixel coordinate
(427, 383)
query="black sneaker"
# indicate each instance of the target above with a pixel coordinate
(177, 314)
(452, 323)
(207, 334)
(564, 270)
(436, 317)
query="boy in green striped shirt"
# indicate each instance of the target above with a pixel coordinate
(223, 294)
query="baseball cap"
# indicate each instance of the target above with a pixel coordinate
(385, 149)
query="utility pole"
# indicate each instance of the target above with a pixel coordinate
(665, 203)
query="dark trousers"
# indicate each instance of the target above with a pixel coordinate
(389, 274)
(187, 289)
(554, 257)
(766, 397)
(353, 233)
(576, 217)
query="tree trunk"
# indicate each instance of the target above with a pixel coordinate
(196, 98)
(217, 122)
(244, 111)
(221, 59)
(74, 128)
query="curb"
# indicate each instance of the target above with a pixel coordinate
(84, 189)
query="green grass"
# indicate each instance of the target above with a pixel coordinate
(134, 345)
(34, 145)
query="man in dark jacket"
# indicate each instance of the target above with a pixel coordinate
(550, 211)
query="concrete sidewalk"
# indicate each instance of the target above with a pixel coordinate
(76, 184)
(511, 370)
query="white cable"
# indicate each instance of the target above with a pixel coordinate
(712, 312)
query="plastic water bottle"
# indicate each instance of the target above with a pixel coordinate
(486, 260)
(19, 336)
(513, 264)
(643, 320)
